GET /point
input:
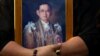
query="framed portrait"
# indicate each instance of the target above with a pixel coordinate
(42, 22)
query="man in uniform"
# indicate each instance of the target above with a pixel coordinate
(42, 32)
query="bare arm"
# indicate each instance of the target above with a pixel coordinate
(74, 47)
(13, 49)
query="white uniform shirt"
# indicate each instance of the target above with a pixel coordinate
(45, 25)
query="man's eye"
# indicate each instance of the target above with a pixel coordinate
(41, 10)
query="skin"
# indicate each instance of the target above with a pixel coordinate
(49, 50)
(74, 47)
(14, 49)
(44, 12)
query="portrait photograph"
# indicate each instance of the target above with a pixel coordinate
(43, 22)
(39, 23)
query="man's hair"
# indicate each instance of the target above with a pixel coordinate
(43, 2)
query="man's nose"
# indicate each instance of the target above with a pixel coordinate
(45, 13)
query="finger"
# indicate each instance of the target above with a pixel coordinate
(56, 46)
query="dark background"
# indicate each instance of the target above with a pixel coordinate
(6, 22)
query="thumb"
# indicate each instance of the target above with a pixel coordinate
(56, 46)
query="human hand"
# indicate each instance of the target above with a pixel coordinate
(49, 50)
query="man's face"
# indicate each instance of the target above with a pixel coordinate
(44, 12)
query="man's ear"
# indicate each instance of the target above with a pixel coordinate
(37, 12)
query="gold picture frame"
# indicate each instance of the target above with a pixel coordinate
(18, 20)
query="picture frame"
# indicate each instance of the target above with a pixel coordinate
(18, 20)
